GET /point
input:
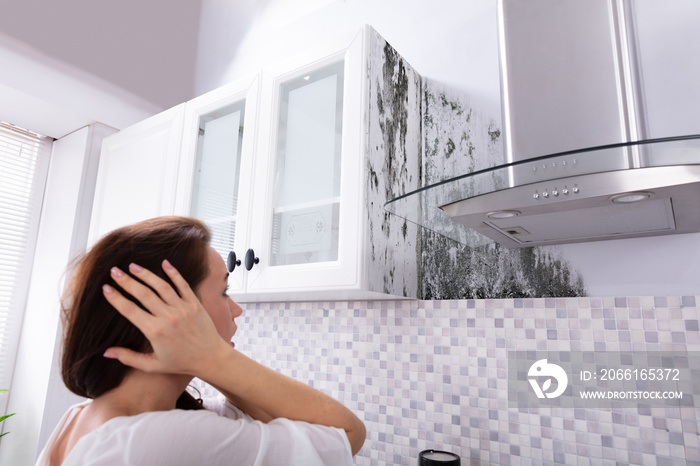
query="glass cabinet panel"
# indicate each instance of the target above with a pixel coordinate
(216, 176)
(307, 169)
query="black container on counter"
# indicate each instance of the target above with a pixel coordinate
(438, 458)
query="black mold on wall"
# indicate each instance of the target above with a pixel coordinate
(454, 271)
(392, 104)
(393, 168)
(457, 141)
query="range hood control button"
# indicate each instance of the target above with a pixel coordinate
(545, 194)
(555, 193)
(565, 191)
(575, 189)
(536, 196)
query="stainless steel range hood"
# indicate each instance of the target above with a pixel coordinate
(633, 202)
(643, 188)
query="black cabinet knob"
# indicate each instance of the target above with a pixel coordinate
(250, 259)
(232, 262)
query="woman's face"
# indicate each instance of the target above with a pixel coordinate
(212, 294)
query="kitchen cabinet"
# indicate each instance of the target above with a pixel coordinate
(293, 164)
(137, 174)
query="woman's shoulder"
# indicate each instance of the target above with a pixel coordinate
(155, 437)
(58, 433)
(205, 436)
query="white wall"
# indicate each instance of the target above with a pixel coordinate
(452, 41)
(669, 44)
(655, 266)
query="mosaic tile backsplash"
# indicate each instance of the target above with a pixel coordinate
(433, 374)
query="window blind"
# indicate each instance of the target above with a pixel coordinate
(24, 161)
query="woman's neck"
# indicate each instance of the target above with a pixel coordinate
(142, 392)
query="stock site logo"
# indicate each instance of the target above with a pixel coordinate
(542, 369)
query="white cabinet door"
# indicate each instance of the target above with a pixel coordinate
(214, 182)
(307, 223)
(137, 173)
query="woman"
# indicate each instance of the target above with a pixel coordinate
(135, 365)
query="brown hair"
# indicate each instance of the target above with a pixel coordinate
(91, 324)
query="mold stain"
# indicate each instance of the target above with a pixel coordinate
(457, 139)
(453, 271)
(450, 148)
(393, 168)
(494, 133)
(392, 105)
(373, 178)
(453, 105)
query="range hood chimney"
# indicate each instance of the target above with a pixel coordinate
(573, 88)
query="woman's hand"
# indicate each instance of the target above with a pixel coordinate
(179, 329)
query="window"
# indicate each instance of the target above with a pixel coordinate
(24, 162)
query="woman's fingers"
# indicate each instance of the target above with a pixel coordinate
(141, 361)
(127, 308)
(164, 293)
(180, 283)
(163, 289)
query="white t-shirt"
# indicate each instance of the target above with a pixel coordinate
(219, 435)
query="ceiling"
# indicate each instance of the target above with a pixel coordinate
(146, 47)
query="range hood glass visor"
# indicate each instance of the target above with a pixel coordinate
(567, 197)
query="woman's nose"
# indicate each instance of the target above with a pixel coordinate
(236, 309)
